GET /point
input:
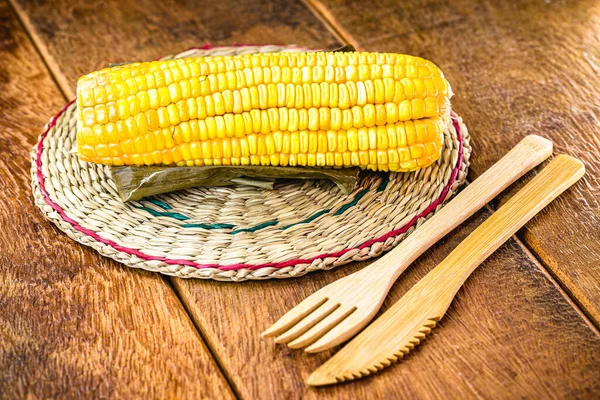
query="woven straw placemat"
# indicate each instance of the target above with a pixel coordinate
(238, 233)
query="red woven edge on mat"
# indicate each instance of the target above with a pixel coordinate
(95, 236)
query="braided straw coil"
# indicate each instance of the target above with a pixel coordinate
(238, 233)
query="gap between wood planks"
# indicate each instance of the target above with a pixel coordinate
(42, 51)
(559, 283)
(325, 17)
(323, 14)
(581, 311)
(67, 94)
(204, 337)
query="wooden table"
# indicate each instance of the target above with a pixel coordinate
(76, 325)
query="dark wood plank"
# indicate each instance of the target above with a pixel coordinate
(509, 334)
(72, 323)
(517, 68)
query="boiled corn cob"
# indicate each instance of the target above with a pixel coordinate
(380, 111)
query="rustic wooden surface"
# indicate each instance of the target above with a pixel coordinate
(517, 67)
(72, 323)
(510, 333)
(78, 325)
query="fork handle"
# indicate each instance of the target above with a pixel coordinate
(448, 276)
(528, 153)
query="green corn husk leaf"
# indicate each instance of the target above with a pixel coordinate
(345, 49)
(135, 183)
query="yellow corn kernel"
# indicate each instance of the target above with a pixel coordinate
(411, 133)
(313, 119)
(372, 134)
(282, 142)
(284, 160)
(302, 119)
(392, 156)
(270, 145)
(304, 138)
(372, 160)
(264, 122)
(295, 142)
(344, 97)
(86, 98)
(313, 142)
(163, 117)
(113, 114)
(424, 162)
(403, 154)
(368, 113)
(322, 142)
(293, 160)
(211, 128)
(332, 140)
(210, 106)
(99, 94)
(352, 92)
(363, 139)
(101, 114)
(380, 115)
(363, 157)
(261, 146)
(320, 160)
(409, 165)
(382, 157)
(254, 160)
(417, 109)
(382, 138)
(353, 139)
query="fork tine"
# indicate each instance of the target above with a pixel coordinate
(290, 318)
(340, 333)
(307, 323)
(321, 328)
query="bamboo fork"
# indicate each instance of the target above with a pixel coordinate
(411, 318)
(338, 311)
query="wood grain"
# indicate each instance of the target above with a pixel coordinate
(78, 37)
(72, 323)
(509, 334)
(517, 68)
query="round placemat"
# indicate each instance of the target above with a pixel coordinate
(242, 232)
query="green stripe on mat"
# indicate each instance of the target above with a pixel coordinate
(155, 213)
(309, 219)
(209, 226)
(161, 204)
(255, 228)
(181, 217)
